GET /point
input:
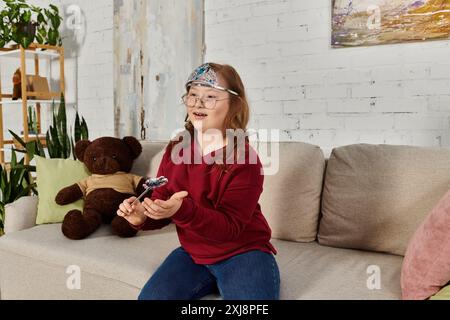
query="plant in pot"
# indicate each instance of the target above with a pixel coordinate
(48, 28)
(5, 29)
(22, 23)
(59, 144)
(15, 182)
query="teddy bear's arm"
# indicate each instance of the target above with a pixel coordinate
(69, 194)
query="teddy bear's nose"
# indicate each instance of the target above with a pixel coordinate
(106, 165)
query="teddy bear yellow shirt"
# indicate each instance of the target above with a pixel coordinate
(120, 181)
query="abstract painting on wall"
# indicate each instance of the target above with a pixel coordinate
(373, 22)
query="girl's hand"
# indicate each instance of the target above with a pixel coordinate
(160, 209)
(134, 214)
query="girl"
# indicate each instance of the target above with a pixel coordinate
(225, 239)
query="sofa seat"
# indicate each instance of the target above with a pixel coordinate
(312, 271)
(114, 268)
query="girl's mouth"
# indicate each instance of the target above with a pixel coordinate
(199, 115)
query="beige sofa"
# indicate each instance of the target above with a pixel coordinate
(340, 225)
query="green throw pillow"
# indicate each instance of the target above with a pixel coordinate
(51, 176)
(444, 294)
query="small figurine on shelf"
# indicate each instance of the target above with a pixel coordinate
(34, 83)
(17, 90)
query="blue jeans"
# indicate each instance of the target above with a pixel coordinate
(251, 275)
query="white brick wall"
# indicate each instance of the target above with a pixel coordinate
(90, 80)
(395, 94)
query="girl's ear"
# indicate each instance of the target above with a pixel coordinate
(80, 148)
(134, 145)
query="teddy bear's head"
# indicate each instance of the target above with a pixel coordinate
(108, 155)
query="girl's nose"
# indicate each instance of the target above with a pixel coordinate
(199, 103)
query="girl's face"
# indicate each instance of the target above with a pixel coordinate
(210, 108)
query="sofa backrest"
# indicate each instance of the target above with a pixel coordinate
(370, 197)
(376, 196)
(291, 198)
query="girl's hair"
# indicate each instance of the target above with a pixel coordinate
(238, 113)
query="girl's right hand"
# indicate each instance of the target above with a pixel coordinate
(134, 214)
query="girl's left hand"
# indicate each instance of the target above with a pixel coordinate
(160, 209)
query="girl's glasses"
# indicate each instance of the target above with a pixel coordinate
(207, 102)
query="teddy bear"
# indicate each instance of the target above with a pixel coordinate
(109, 160)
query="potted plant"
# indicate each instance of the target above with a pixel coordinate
(16, 181)
(48, 26)
(23, 23)
(59, 143)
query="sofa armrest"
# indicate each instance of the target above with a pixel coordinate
(21, 214)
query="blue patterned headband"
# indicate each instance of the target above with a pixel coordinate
(207, 77)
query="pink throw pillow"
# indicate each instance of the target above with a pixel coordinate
(426, 266)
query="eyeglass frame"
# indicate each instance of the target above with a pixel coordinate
(201, 100)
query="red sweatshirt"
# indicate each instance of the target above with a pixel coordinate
(221, 216)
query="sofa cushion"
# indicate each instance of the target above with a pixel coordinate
(311, 271)
(291, 197)
(376, 196)
(107, 263)
(426, 267)
(114, 268)
(52, 176)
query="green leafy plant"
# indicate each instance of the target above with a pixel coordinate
(5, 28)
(23, 23)
(81, 132)
(14, 184)
(31, 148)
(58, 141)
(59, 144)
(32, 120)
(49, 23)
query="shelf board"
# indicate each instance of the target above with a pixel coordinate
(6, 102)
(29, 54)
(31, 137)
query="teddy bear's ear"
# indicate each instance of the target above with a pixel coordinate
(80, 148)
(134, 145)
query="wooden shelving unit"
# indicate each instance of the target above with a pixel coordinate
(35, 51)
